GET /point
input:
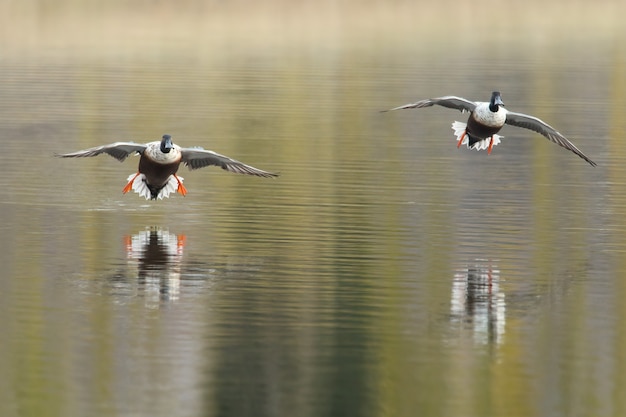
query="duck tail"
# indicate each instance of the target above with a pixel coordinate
(471, 142)
(139, 185)
(149, 192)
(171, 186)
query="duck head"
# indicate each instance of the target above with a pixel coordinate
(495, 102)
(166, 144)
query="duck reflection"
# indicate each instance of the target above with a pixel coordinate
(156, 255)
(477, 303)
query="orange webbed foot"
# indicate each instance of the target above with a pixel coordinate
(458, 145)
(129, 186)
(181, 188)
(490, 146)
(180, 242)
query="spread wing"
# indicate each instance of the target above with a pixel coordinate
(196, 158)
(451, 102)
(539, 126)
(118, 150)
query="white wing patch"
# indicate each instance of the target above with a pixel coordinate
(140, 187)
(459, 130)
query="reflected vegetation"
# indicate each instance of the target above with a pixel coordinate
(385, 273)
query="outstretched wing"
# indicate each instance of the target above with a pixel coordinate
(451, 102)
(196, 158)
(539, 126)
(118, 150)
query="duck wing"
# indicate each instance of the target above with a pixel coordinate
(118, 150)
(541, 127)
(196, 158)
(451, 102)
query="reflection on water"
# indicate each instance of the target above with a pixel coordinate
(154, 263)
(478, 304)
(335, 290)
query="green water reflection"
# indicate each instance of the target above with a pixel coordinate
(385, 273)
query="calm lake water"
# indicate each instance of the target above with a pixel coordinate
(384, 273)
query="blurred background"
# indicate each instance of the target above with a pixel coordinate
(384, 273)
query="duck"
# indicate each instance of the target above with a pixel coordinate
(156, 176)
(487, 118)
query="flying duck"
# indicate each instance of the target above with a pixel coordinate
(486, 119)
(159, 162)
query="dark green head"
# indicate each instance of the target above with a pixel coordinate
(495, 102)
(166, 144)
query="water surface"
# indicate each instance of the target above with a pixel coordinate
(385, 273)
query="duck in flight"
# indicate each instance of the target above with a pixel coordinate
(159, 162)
(487, 118)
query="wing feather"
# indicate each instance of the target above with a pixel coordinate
(537, 125)
(118, 150)
(451, 102)
(196, 158)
